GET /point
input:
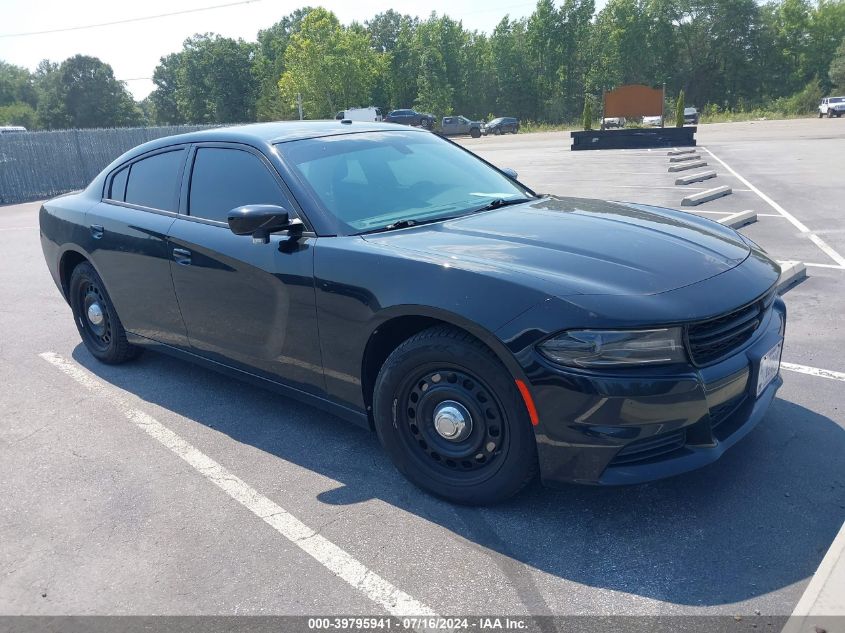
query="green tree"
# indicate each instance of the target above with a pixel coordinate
(836, 73)
(165, 108)
(587, 117)
(17, 85)
(332, 67)
(83, 92)
(19, 113)
(270, 64)
(214, 80)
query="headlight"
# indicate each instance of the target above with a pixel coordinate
(615, 348)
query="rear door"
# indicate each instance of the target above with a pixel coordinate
(128, 243)
(248, 305)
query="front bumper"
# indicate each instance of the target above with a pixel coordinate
(640, 425)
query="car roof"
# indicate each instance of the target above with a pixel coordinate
(270, 133)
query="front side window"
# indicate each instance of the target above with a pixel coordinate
(224, 179)
(371, 180)
(154, 182)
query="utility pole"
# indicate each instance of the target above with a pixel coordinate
(299, 104)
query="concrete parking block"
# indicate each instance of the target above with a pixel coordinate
(791, 272)
(699, 177)
(695, 199)
(681, 152)
(683, 159)
(736, 220)
(686, 166)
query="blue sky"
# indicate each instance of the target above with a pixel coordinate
(134, 49)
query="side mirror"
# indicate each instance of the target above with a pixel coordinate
(259, 220)
(510, 173)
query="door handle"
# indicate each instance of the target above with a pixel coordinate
(97, 231)
(182, 256)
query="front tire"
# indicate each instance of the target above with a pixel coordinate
(475, 133)
(443, 381)
(96, 319)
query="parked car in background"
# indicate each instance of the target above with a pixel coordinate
(613, 121)
(484, 332)
(653, 121)
(832, 107)
(411, 117)
(360, 114)
(454, 125)
(12, 129)
(691, 116)
(501, 125)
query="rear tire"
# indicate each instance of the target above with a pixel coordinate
(475, 132)
(443, 374)
(96, 319)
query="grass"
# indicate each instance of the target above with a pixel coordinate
(752, 115)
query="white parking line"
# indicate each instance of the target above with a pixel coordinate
(814, 371)
(834, 266)
(336, 560)
(830, 252)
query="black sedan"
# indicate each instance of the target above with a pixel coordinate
(411, 117)
(388, 275)
(501, 125)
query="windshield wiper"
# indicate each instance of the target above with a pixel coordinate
(498, 203)
(403, 224)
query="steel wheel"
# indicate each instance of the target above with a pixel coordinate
(452, 421)
(448, 413)
(93, 319)
(96, 319)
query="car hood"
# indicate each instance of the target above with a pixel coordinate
(579, 246)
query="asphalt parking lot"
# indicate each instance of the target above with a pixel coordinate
(103, 512)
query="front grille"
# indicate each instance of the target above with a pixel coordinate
(650, 447)
(713, 339)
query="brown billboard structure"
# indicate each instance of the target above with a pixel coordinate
(630, 102)
(634, 100)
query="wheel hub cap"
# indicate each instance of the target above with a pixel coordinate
(452, 421)
(95, 314)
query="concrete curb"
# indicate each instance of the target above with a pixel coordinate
(686, 166)
(695, 199)
(737, 220)
(681, 152)
(824, 598)
(683, 159)
(791, 272)
(703, 175)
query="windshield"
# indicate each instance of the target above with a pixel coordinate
(371, 180)
(496, 121)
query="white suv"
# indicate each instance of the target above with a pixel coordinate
(832, 107)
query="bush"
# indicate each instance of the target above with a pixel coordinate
(679, 110)
(588, 114)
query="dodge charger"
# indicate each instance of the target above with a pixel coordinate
(487, 334)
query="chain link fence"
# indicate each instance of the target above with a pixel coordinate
(38, 165)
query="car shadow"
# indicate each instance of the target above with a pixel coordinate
(756, 521)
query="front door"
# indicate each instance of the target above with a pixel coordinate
(244, 304)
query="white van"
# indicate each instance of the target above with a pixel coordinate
(360, 114)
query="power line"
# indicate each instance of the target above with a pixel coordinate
(129, 20)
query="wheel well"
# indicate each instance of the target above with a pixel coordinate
(70, 260)
(387, 337)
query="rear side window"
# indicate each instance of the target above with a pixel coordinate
(117, 190)
(154, 181)
(224, 179)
